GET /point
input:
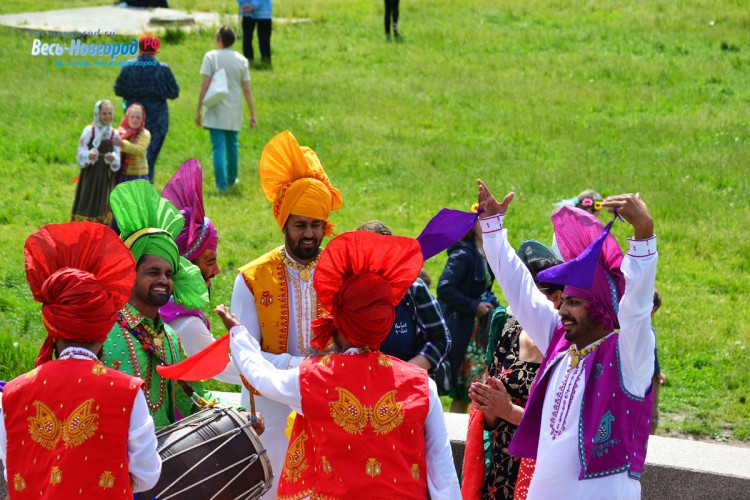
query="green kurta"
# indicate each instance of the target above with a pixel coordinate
(162, 395)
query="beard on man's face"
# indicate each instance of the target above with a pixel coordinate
(157, 299)
(304, 252)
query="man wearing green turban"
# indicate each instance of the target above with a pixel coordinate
(140, 340)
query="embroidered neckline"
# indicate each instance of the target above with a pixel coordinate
(304, 271)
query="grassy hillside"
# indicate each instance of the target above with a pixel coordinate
(543, 98)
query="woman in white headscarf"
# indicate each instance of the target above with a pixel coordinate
(99, 159)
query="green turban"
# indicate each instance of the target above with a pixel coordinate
(149, 225)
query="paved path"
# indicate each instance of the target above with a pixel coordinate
(108, 20)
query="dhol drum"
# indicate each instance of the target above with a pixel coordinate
(213, 454)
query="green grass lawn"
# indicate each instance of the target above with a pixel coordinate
(543, 98)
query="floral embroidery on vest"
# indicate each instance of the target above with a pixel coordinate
(352, 416)
(19, 483)
(373, 467)
(46, 429)
(55, 476)
(415, 471)
(384, 361)
(295, 462)
(387, 414)
(106, 480)
(348, 412)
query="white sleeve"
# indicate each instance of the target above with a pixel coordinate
(3, 440)
(195, 337)
(83, 148)
(279, 385)
(636, 340)
(534, 312)
(243, 306)
(442, 481)
(115, 165)
(144, 463)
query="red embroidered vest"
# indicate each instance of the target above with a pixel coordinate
(363, 431)
(67, 423)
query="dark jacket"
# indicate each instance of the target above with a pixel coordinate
(459, 291)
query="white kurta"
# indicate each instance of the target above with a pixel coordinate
(144, 463)
(558, 463)
(302, 310)
(283, 386)
(195, 337)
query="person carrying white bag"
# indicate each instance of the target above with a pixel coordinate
(226, 78)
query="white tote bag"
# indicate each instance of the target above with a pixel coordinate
(218, 90)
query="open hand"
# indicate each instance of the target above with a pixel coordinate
(229, 319)
(489, 204)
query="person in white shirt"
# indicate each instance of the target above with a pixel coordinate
(56, 417)
(588, 416)
(368, 424)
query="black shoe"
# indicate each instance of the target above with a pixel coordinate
(395, 31)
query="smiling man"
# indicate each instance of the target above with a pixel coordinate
(273, 295)
(587, 418)
(198, 243)
(140, 340)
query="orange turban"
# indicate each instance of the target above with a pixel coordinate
(293, 180)
(82, 274)
(361, 277)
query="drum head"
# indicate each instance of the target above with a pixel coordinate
(212, 454)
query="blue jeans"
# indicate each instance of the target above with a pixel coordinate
(226, 151)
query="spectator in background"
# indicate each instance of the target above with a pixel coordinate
(467, 305)
(133, 140)
(224, 120)
(391, 19)
(150, 86)
(588, 200)
(257, 13)
(419, 335)
(99, 159)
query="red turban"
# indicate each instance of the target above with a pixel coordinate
(82, 274)
(360, 278)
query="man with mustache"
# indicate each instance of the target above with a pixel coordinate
(197, 242)
(587, 418)
(274, 295)
(140, 340)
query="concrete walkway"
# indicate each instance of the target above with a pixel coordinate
(111, 20)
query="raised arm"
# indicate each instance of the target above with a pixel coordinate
(530, 306)
(636, 340)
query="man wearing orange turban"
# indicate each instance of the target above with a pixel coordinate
(368, 424)
(58, 415)
(273, 295)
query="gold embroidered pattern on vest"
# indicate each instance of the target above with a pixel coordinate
(32, 373)
(98, 369)
(415, 471)
(326, 465)
(348, 412)
(55, 476)
(19, 483)
(46, 429)
(295, 462)
(373, 467)
(80, 425)
(351, 415)
(325, 360)
(106, 480)
(387, 413)
(384, 361)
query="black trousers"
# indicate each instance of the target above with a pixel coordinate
(391, 14)
(264, 38)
